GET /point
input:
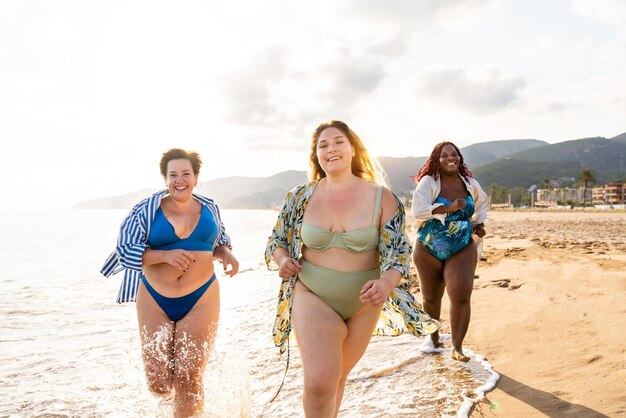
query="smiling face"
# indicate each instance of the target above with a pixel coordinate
(334, 151)
(180, 179)
(449, 160)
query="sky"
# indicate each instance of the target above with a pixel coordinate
(92, 93)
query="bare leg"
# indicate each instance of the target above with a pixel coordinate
(458, 273)
(360, 328)
(193, 341)
(320, 332)
(156, 332)
(430, 271)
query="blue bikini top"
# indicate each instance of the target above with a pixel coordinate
(361, 240)
(163, 235)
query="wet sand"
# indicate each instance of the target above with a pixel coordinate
(549, 313)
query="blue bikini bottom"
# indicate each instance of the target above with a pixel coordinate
(177, 308)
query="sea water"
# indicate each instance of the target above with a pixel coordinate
(67, 349)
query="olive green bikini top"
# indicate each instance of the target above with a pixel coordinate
(360, 240)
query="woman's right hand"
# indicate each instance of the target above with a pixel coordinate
(180, 259)
(458, 204)
(288, 267)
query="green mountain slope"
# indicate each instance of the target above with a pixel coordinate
(482, 153)
(594, 153)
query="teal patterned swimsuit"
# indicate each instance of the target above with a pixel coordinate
(443, 240)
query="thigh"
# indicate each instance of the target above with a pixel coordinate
(360, 328)
(459, 270)
(429, 269)
(320, 333)
(196, 331)
(156, 332)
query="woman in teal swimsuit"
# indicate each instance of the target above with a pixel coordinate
(340, 248)
(450, 206)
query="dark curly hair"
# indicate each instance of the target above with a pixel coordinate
(431, 167)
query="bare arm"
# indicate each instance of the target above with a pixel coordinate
(225, 255)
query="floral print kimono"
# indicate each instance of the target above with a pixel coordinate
(401, 314)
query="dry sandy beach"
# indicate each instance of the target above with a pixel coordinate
(548, 312)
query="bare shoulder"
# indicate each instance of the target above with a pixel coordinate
(388, 205)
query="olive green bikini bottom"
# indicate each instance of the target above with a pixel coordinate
(339, 289)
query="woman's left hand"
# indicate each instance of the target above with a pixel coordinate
(479, 230)
(374, 293)
(223, 254)
(229, 260)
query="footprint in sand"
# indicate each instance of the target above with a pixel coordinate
(504, 283)
(497, 283)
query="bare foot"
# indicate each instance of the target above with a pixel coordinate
(459, 356)
(434, 337)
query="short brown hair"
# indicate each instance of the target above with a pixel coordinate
(180, 154)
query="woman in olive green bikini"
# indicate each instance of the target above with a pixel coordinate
(340, 247)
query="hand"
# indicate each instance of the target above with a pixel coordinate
(458, 204)
(228, 259)
(288, 267)
(479, 230)
(180, 259)
(374, 293)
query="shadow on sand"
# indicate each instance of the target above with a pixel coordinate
(544, 402)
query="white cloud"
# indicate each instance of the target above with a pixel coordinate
(477, 92)
(544, 45)
(281, 93)
(611, 11)
(447, 13)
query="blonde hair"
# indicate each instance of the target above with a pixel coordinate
(364, 165)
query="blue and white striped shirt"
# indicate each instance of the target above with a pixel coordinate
(132, 242)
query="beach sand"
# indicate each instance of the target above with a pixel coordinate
(549, 314)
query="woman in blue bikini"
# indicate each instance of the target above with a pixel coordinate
(452, 208)
(167, 245)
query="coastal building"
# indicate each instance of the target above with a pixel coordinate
(609, 194)
(563, 195)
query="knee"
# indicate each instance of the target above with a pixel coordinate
(430, 300)
(320, 387)
(460, 297)
(161, 385)
(187, 379)
(159, 378)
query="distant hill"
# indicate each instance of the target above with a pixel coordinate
(620, 138)
(483, 153)
(228, 192)
(594, 153)
(116, 202)
(523, 173)
(512, 164)
(251, 192)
